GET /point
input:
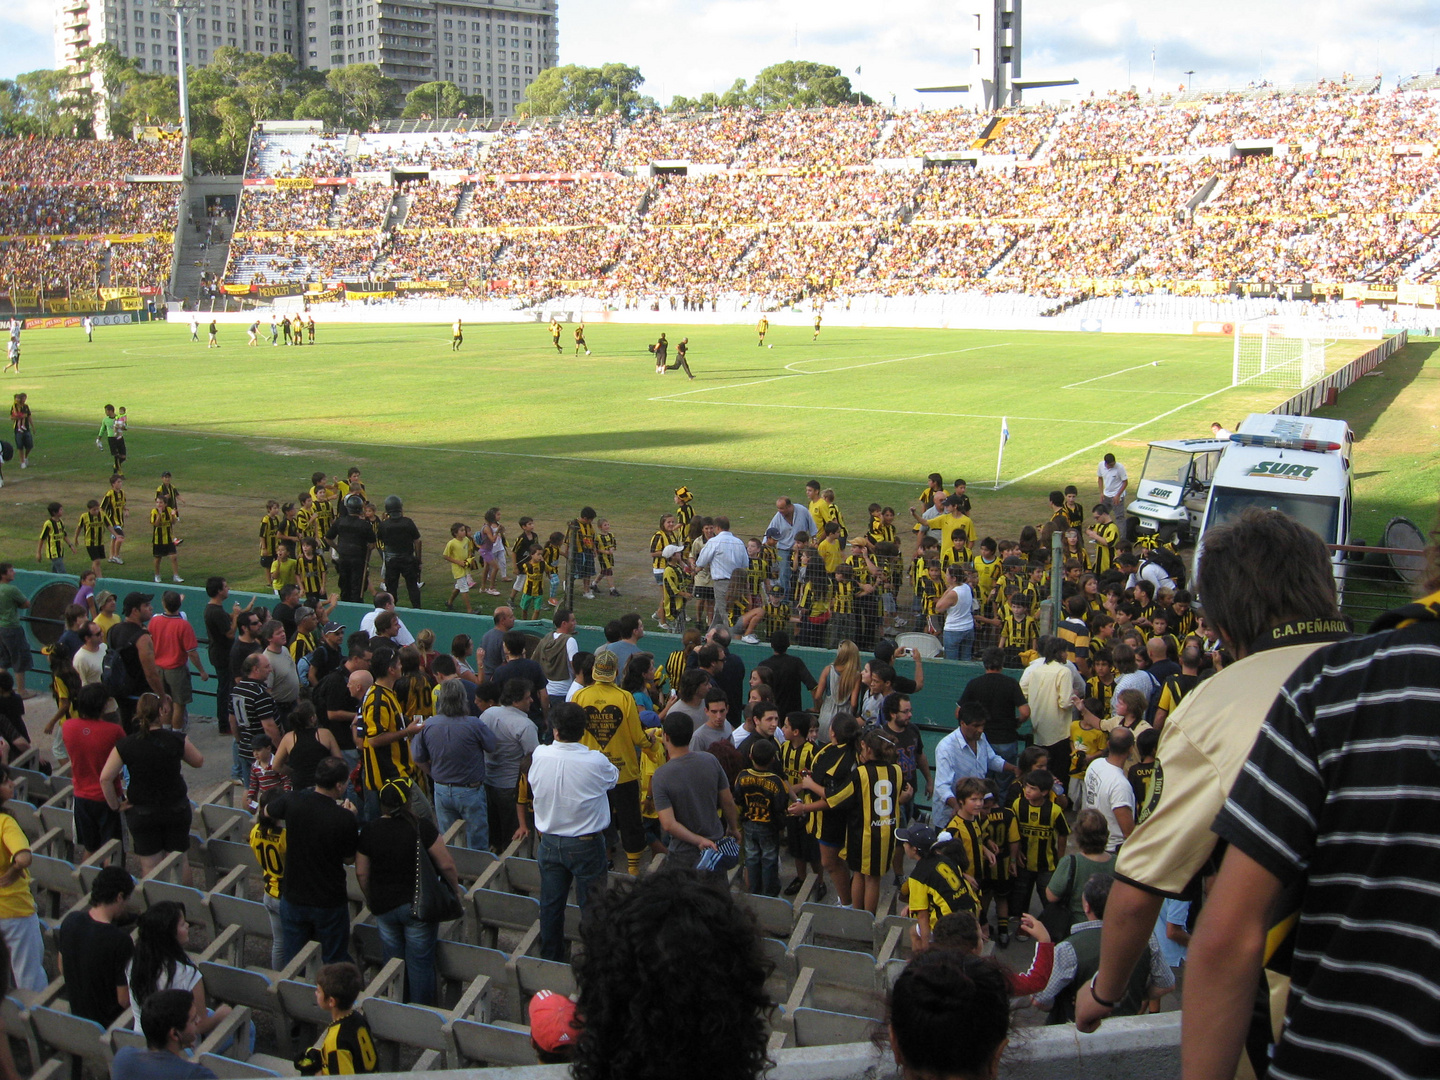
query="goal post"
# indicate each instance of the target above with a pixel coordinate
(1277, 355)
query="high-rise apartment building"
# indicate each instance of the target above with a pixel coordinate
(489, 47)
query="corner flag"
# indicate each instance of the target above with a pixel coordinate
(1000, 456)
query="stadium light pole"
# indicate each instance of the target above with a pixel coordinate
(180, 7)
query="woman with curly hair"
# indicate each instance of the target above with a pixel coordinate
(949, 1016)
(643, 1009)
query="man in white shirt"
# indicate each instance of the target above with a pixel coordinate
(790, 518)
(569, 783)
(724, 555)
(1112, 480)
(1108, 789)
(385, 602)
(89, 659)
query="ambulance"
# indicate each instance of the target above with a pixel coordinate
(1299, 465)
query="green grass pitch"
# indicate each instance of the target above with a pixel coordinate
(508, 422)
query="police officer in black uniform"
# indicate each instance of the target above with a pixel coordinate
(401, 541)
(352, 537)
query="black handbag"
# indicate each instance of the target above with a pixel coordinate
(435, 901)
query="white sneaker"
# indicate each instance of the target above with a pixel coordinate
(588, 595)
(24, 464)
(178, 580)
(750, 639)
(2, 483)
(157, 579)
(113, 559)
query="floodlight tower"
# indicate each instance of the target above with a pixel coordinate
(995, 53)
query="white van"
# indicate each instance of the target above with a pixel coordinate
(1299, 465)
(1174, 488)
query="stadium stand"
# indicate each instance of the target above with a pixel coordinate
(1320, 184)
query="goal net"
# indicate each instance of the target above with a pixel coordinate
(1277, 355)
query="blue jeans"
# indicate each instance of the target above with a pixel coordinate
(783, 558)
(762, 858)
(413, 941)
(454, 802)
(562, 859)
(1010, 751)
(329, 926)
(958, 643)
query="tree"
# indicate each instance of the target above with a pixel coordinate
(737, 97)
(47, 102)
(802, 84)
(323, 104)
(443, 99)
(368, 95)
(574, 90)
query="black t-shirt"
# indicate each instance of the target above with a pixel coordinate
(1002, 697)
(239, 651)
(332, 694)
(389, 843)
(122, 639)
(320, 838)
(399, 535)
(94, 955)
(907, 743)
(352, 536)
(154, 763)
(284, 614)
(219, 637)
(788, 674)
(324, 660)
(12, 718)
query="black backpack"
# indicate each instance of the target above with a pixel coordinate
(1171, 563)
(114, 675)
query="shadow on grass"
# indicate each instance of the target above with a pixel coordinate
(1364, 402)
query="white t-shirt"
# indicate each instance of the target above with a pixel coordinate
(1113, 476)
(961, 615)
(90, 665)
(186, 978)
(1107, 787)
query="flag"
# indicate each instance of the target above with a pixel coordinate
(857, 70)
(1000, 454)
(1004, 430)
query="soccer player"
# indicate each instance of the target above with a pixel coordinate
(762, 328)
(214, 338)
(112, 509)
(580, 340)
(53, 540)
(162, 539)
(90, 531)
(681, 351)
(13, 353)
(661, 349)
(555, 328)
(195, 328)
(110, 431)
(817, 327)
(457, 336)
(310, 329)
(285, 328)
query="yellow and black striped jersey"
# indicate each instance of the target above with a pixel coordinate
(918, 573)
(675, 668)
(1017, 633)
(162, 525)
(795, 759)
(307, 523)
(873, 794)
(777, 617)
(312, 575)
(305, 643)
(605, 548)
(535, 577)
(860, 567)
(270, 530)
(1185, 623)
(551, 555)
(1042, 830)
(1002, 831)
(1109, 534)
(684, 514)
(1078, 555)
(169, 494)
(1101, 691)
(768, 560)
(52, 539)
(585, 535)
(520, 549)
(970, 836)
(1074, 515)
(949, 555)
(347, 1048)
(842, 598)
(928, 591)
(90, 529)
(324, 509)
(881, 533)
(269, 848)
(381, 714)
(659, 541)
(937, 887)
(112, 507)
(674, 586)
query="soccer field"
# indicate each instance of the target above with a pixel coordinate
(507, 422)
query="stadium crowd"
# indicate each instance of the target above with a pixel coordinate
(1127, 725)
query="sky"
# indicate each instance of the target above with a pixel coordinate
(690, 46)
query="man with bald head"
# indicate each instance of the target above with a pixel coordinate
(494, 640)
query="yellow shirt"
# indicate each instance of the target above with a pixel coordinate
(942, 525)
(16, 900)
(105, 622)
(1084, 742)
(829, 550)
(284, 572)
(458, 549)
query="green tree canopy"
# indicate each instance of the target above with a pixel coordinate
(368, 96)
(443, 99)
(574, 90)
(794, 83)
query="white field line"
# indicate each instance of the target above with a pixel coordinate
(1117, 435)
(1109, 375)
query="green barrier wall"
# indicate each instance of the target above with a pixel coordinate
(934, 705)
